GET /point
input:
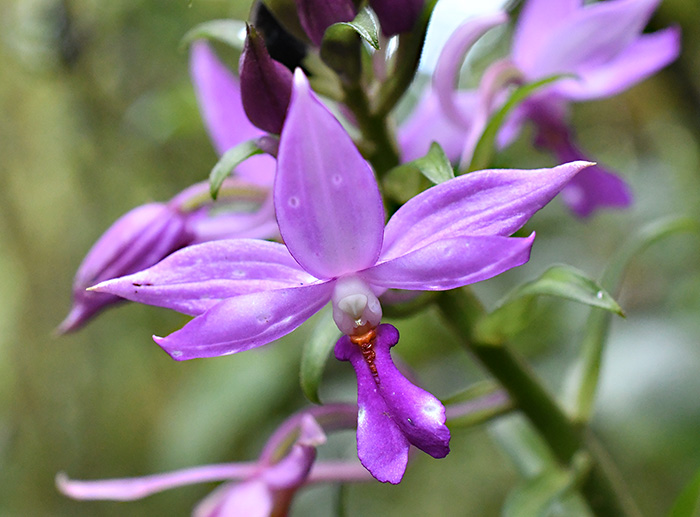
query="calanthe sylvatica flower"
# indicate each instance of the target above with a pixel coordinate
(145, 235)
(246, 293)
(598, 49)
(263, 488)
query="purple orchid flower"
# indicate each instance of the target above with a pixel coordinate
(147, 234)
(600, 45)
(246, 293)
(265, 488)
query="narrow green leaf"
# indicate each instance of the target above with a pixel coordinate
(514, 311)
(230, 32)
(229, 161)
(583, 379)
(316, 352)
(485, 147)
(435, 166)
(365, 24)
(535, 496)
(688, 502)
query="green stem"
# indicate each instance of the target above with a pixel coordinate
(603, 487)
(378, 142)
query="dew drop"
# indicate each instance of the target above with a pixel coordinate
(177, 353)
(599, 295)
(294, 202)
(337, 179)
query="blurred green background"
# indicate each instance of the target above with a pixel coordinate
(98, 116)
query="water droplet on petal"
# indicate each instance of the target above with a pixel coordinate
(337, 179)
(176, 353)
(294, 202)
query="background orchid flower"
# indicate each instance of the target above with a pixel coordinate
(601, 45)
(246, 293)
(147, 234)
(265, 487)
(218, 93)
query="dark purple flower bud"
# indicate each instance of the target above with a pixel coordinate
(266, 85)
(397, 16)
(316, 16)
(137, 240)
(393, 413)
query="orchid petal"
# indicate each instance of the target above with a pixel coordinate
(591, 37)
(129, 489)
(247, 321)
(451, 263)
(595, 188)
(328, 205)
(429, 124)
(252, 498)
(450, 62)
(219, 95)
(647, 55)
(392, 411)
(137, 240)
(536, 21)
(491, 202)
(198, 277)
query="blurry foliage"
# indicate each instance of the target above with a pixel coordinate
(99, 116)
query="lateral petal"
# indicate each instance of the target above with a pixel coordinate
(593, 36)
(247, 321)
(451, 263)
(219, 96)
(327, 202)
(490, 202)
(646, 56)
(198, 277)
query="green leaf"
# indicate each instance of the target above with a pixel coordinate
(688, 502)
(485, 147)
(316, 352)
(365, 24)
(535, 496)
(513, 313)
(229, 161)
(404, 182)
(529, 453)
(582, 383)
(231, 32)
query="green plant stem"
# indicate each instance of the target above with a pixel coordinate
(602, 488)
(378, 142)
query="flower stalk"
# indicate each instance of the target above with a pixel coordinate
(603, 488)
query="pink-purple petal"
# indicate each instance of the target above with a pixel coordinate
(392, 411)
(247, 321)
(646, 56)
(428, 123)
(219, 96)
(590, 37)
(491, 202)
(252, 498)
(198, 277)
(328, 205)
(536, 21)
(596, 188)
(449, 64)
(129, 489)
(450, 263)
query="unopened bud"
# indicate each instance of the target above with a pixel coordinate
(317, 15)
